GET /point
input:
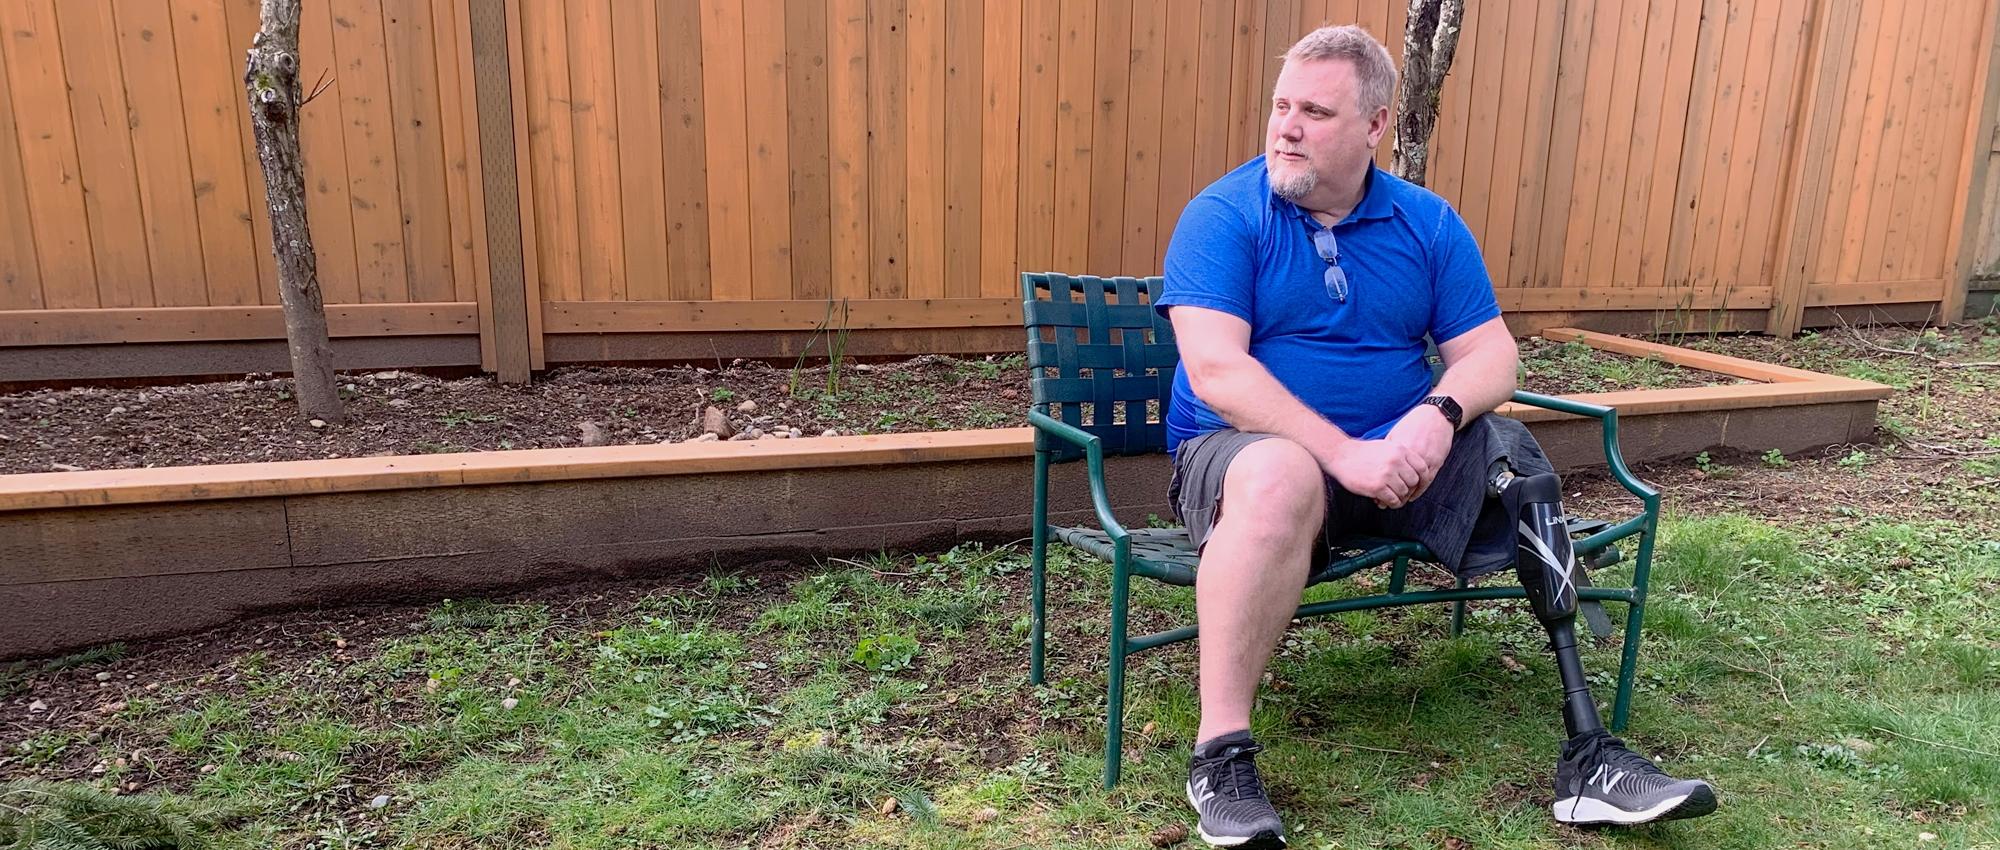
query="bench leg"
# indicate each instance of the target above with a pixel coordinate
(1039, 557)
(1458, 612)
(1114, 708)
(1628, 667)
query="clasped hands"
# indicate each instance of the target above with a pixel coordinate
(1395, 469)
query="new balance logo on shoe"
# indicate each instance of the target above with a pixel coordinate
(1606, 779)
(1201, 791)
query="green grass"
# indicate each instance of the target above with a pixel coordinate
(1839, 684)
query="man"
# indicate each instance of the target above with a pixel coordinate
(1301, 287)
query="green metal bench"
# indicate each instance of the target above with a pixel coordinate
(1102, 365)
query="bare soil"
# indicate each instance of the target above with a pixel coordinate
(406, 412)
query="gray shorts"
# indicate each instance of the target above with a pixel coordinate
(1469, 533)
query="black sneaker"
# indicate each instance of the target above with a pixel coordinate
(1225, 791)
(1599, 781)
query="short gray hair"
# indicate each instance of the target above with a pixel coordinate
(1374, 70)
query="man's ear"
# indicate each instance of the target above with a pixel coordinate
(1378, 126)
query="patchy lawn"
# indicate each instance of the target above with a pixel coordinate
(1823, 642)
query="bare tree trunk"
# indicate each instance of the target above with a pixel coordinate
(1430, 40)
(272, 78)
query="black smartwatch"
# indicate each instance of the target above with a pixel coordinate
(1450, 408)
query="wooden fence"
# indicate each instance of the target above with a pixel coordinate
(516, 183)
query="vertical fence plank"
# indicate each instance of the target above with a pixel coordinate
(1780, 123)
(1140, 159)
(1614, 185)
(1564, 132)
(642, 194)
(1976, 167)
(416, 126)
(722, 77)
(317, 64)
(20, 271)
(360, 44)
(1109, 135)
(963, 119)
(847, 147)
(1041, 33)
(145, 35)
(999, 150)
(98, 107)
(684, 133)
(1211, 100)
(1672, 135)
(1920, 144)
(1814, 148)
(807, 148)
(770, 153)
(594, 125)
(1509, 166)
(1180, 114)
(923, 146)
(888, 218)
(1880, 124)
(453, 92)
(324, 157)
(1074, 109)
(212, 94)
(1593, 143)
(1523, 248)
(1249, 100)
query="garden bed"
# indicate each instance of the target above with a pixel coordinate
(410, 413)
(126, 553)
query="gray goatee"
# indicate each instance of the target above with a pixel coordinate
(1298, 185)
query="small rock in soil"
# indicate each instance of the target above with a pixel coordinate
(317, 423)
(379, 802)
(104, 677)
(38, 705)
(705, 438)
(714, 421)
(593, 434)
(509, 703)
(399, 402)
(830, 432)
(748, 406)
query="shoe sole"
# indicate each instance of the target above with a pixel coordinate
(1585, 811)
(1261, 841)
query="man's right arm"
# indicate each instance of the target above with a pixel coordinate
(1215, 351)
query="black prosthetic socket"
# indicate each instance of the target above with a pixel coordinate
(1546, 565)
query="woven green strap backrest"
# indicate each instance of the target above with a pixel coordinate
(1100, 359)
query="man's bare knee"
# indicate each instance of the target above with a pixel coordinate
(1275, 485)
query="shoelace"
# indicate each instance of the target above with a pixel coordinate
(1236, 774)
(1602, 748)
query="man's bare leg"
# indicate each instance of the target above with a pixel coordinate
(1253, 566)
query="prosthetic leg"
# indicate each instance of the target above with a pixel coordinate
(1547, 567)
(1598, 780)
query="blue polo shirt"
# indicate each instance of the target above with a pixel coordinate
(1412, 269)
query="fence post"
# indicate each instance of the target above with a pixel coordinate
(1796, 244)
(1977, 168)
(507, 310)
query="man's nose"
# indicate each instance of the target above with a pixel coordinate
(1289, 127)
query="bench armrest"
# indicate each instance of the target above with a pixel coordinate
(1614, 457)
(1093, 450)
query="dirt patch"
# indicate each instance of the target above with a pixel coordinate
(404, 413)
(401, 413)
